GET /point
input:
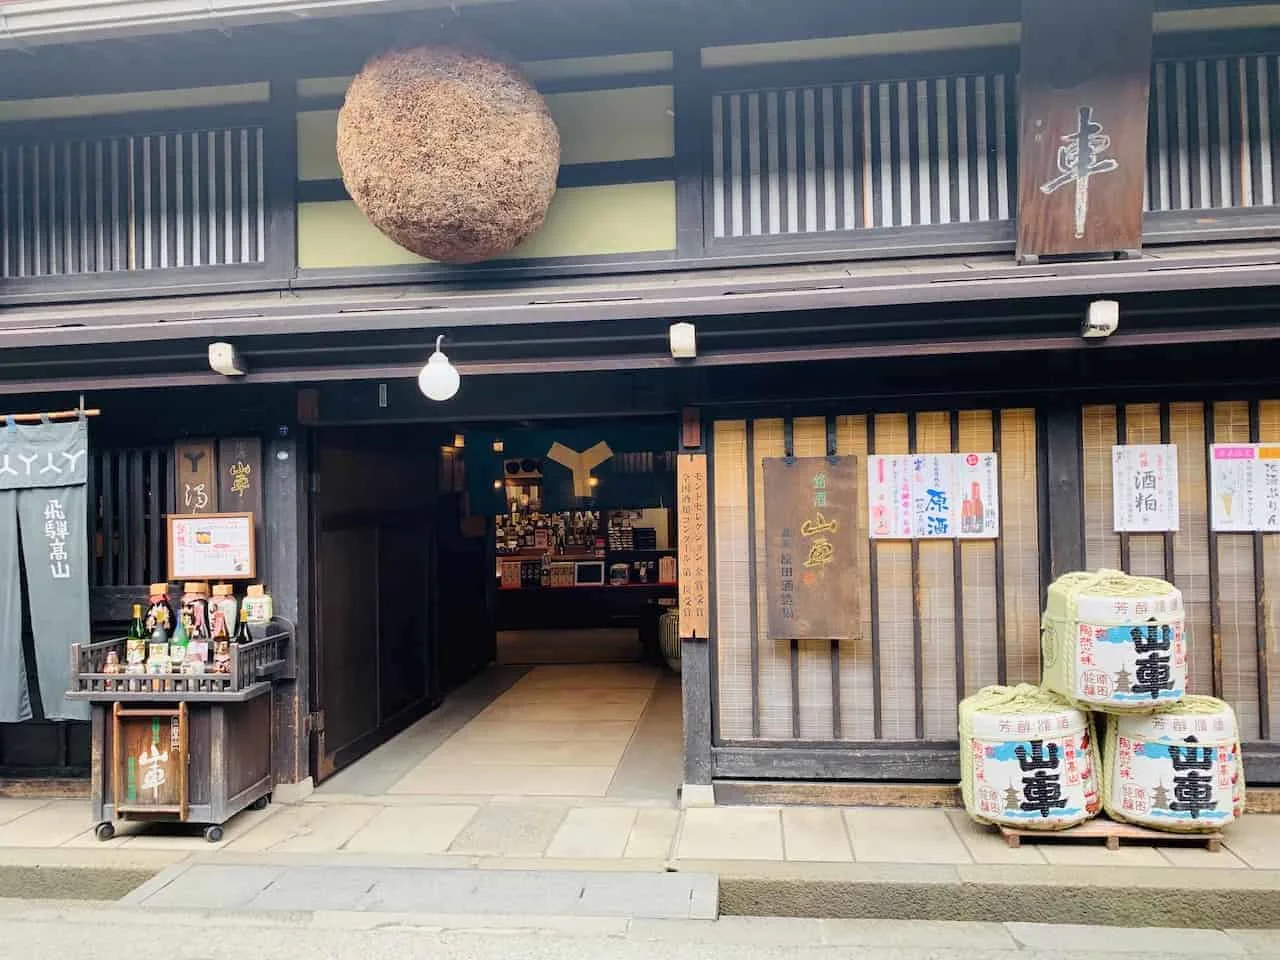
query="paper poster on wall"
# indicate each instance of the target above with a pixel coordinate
(1145, 487)
(978, 487)
(933, 496)
(1244, 480)
(205, 546)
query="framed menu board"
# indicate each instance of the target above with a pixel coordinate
(211, 546)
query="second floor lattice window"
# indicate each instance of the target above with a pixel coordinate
(1212, 134)
(126, 203)
(863, 155)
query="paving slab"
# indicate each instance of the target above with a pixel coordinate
(416, 829)
(1261, 943)
(731, 833)
(307, 828)
(918, 934)
(510, 831)
(815, 834)
(506, 780)
(653, 834)
(51, 824)
(905, 836)
(593, 833)
(1256, 841)
(11, 808)
(738, 931)
(986, 845)
(1149, 941)
(208, 886)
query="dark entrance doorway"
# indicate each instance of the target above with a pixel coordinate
(387, 546)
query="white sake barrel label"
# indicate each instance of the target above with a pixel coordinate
(1139, 663)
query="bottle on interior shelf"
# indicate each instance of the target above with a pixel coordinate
(135, 644)
(257, 603)
(242, 631)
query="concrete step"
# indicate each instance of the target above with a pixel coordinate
(266, 886)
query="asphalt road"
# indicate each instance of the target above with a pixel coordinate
(60, 931)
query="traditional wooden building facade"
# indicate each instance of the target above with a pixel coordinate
(836, 195)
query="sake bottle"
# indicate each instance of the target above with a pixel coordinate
(178, 644)
(242, 631)
(135, 649)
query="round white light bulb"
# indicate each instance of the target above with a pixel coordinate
(439, 379)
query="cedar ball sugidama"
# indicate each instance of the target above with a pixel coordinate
(452, 154)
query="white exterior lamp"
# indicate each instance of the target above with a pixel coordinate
(439, 379)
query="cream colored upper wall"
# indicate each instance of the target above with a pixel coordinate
(596, 126)
(582, 221)
(112, 103)
(966, 38)
(573, 68)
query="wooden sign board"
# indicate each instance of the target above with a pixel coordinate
(212, 546)
(149, 760)
(810, 520)
(195, 471)
(1082, 142)
(692, 526)
(240, 476)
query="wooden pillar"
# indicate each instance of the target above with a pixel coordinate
(697, 600)
(1065, 489)
(287, 576)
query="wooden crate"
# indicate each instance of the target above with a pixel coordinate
(1113, 833)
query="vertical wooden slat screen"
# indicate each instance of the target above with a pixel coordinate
(1269, 430)
(861, 156)
(146, 202)
(936, 602)
(732, 579)
(1146, 551)
(1236, 596)
(772, 660)
(1101, 545)
(127, 491)
(1020, 544)
(894, 613)
(919, 633)
(857, 690)
(1191, 542)
(1226, 579)
(977, 561)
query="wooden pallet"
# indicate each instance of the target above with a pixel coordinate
(1113, 832)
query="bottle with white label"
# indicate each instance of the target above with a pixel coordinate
(257, 604)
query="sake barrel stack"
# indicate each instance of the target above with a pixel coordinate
(1028, 759)
(1179, 769)
(1114, 643)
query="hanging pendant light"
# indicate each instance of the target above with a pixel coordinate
(439, 379)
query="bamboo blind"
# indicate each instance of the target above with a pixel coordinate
(1242, 588)
(974, 619)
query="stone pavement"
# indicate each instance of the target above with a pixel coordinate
(60, 931)
(644, 835)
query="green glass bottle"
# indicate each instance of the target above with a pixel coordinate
(178, 645)
(136, 639)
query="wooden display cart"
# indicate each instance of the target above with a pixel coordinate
(181, 748)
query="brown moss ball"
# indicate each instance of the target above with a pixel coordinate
(451, 154)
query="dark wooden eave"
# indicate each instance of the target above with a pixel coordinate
(829, 312)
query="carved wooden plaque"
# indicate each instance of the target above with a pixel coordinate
(810, 506)
(1082, 143)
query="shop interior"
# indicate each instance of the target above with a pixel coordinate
(518, 580)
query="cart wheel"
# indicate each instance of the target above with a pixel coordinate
(213, 834)
(104, 831)
(260, 803)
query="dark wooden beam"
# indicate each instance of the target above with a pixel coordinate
(906, 762)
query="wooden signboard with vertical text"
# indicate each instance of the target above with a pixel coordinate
(692, 530)
(1082, 142)
(810, 520)
(195, 470)
(240, 479)
(149, 760)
